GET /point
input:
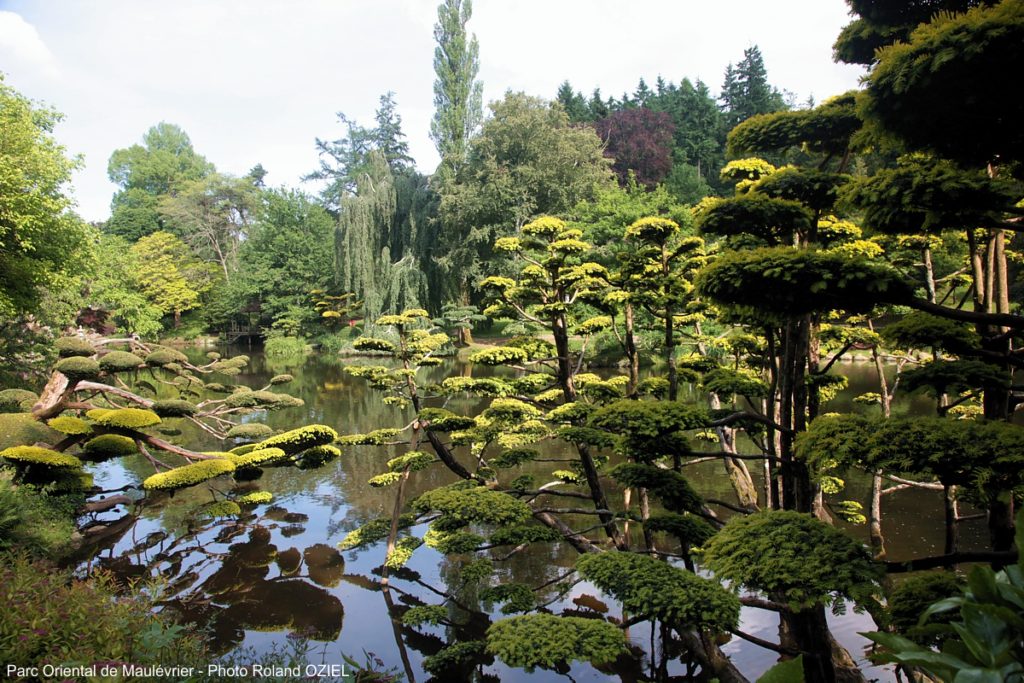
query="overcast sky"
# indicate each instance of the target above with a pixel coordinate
(255, 81)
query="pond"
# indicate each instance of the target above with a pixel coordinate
(253, 580)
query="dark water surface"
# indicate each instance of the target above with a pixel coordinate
(252, 581)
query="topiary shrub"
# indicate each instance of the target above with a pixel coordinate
(188, 475)
(34, 455)
(21, 428)
(793, 556)
(548, 641)
(78, 368)
(255, 498)
(262, 457)
(317, 456)
(657, 590)
(107, 446)
(68, 424)
(281, 379)
(462, 506)
(250, 430)
(120, 361)
(221, 508)
(500, 355)
(164, 356)
(126, 418)
(17, 400)
(688, 528)
(173, 408)
(672, 488)
(73, 346)
(297, 440)
(441, 420)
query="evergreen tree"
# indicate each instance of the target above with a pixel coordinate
(573, 102)
(390, 139)
(746, 91)
(458, 95)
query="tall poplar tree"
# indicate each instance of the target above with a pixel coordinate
(458, 95)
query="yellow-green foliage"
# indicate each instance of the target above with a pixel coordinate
(546, 226)
(384, 479)
(414, 461)
(97, 413)
(73, 346)
(441, 420)
(173, 408)
(403, 551)
(281, 379)
(375, 438)
(21, 428)
(374, 531)
(511, 410)
(250, 430)
(188, 475)
(34, 455)
(652, 229)
(263, 457)
(78, 367)
(654, 589)
(106, 446)
(549, 641)
(68, 424)
(499, 355)
(373, 344)
(164, 356)
(120, 361)
(17, 400)
(462, 506)
(793, 555)
(242, 450)
(262, 399)
(221, 508)
(300, 439)
(255, 498)
(127, 418)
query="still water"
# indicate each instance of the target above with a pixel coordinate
(252, 581)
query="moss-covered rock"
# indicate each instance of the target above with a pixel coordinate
(68, 424)
(162, 356)
(174, 408)
(34, 455)
(107, 446)
(78, 367)
(128, 418)
(298, 440)
(73, 346)
(250, 430)
(17, 400)
(120, 361)
(188, 475)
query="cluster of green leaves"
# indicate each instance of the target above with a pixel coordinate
(800, 560)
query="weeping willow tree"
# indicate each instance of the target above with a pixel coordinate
(375, 241)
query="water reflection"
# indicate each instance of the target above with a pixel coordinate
(254, 578)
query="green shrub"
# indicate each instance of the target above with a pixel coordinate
(17, 400)
(78, 367)
(126, 418)
(188, 475)
(285, 346)
(34, 522)
(73, 346)
(174, 408)
(107, 446)
(120, 361)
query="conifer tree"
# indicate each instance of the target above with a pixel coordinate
(458, 95)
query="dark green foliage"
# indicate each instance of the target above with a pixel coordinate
(794, 557)
(173, 408)
(927, 195)
(73, 346)
(688, 528)
(78, 367)
(119, 361)
(513, 457)
(373, 531)
(954, 376)
(425, 614)
(517, 597)
(941, 91)
(16, 400)
(910, 598)
(773, 220)
(787, 282)
(918, 330)
(462, 506)
(164, 356)
(250, 430)
(671, 488)
(586, 435)
(107, 446)
(815, 189)
(548, 641)
(825, 129)
(729, 382)
(656, 590)
(515, 535)
(786, 671)
(649, 430)
(454, 655)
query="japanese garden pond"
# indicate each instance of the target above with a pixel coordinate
(253, 580)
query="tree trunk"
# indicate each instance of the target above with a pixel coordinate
(632, 355)
(807, 631)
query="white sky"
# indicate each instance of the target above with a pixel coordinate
(255, 81)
